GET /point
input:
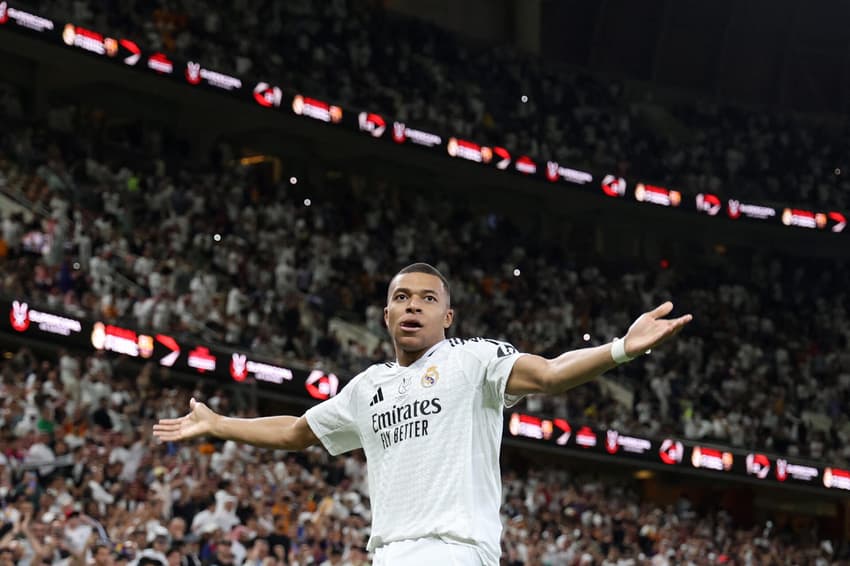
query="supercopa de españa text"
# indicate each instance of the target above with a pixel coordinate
(405, 421)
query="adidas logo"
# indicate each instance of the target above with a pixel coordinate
(379, 396)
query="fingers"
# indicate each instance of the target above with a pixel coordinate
(676, 325)
(662, 310)
(168, 430)
(167, 433)
(167, 422)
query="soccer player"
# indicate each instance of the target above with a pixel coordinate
(430, 422)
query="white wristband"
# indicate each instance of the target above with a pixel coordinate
(618, 351)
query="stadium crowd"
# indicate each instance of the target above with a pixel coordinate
(82, 481)
(361, 55)
(766, 364)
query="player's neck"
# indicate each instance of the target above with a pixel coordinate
(405, 359)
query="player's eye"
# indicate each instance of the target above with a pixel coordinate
(400, 297)
(431, 298)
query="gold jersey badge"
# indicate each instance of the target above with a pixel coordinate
(430, 376)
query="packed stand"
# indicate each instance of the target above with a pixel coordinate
(765, 365)
(82, 481)
(359, 54)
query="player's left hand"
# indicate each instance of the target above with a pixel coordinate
(651, 329)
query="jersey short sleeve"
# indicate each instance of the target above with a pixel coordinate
(490, 362)
(334, 421)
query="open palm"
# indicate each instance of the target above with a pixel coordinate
(651, 329)
(198, 422)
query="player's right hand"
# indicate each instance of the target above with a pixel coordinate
(198, 422)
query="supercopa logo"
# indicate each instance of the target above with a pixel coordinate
(611, 444)
(19, 316)
(239, 367)
(193, 73)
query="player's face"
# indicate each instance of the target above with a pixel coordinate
(417, 313)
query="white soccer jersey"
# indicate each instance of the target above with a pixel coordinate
(432, 433)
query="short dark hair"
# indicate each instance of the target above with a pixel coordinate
(422, 267)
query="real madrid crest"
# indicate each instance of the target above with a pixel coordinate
(430, 376)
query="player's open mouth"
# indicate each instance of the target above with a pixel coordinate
(410, 326)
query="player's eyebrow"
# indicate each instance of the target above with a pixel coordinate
(411, 292)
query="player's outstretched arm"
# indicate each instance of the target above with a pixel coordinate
(535, 374)
(285, 432)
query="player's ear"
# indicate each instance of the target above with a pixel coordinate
(450, 316)
(386, 317)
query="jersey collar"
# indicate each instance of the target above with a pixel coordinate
(424, 356)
